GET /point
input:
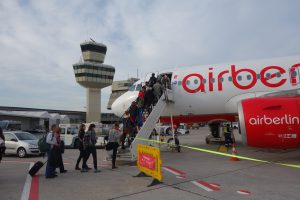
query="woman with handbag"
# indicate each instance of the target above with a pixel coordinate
(59, 150)
(113, 142)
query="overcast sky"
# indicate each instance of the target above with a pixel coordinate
(39, 41)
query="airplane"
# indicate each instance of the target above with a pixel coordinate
(263, 95)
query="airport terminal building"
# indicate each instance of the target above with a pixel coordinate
(34, 118)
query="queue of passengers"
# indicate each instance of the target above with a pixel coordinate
(148, 97)
(87, 146)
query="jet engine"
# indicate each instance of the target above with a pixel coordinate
(270, 122)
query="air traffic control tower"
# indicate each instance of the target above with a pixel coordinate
(93, 75)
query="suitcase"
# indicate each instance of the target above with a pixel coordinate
(35, 168)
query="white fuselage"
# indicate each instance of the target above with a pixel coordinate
(216, 89)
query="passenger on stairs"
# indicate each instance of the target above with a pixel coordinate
(152, 80)
(148, 99)
(165, 81)
(133, 112)
(157, 92)
(140, 105)
(126, 127)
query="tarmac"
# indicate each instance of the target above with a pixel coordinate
(189, 174)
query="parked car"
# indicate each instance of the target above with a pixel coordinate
(21, 143)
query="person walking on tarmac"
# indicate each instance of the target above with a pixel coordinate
(113, 142)
(80, 147)
(2, 144)
(59, 151)
(228, 135)
(89, 143)
(51, 141)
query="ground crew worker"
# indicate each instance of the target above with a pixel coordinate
(227, 134)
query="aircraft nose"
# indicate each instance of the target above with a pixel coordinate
(117, 108)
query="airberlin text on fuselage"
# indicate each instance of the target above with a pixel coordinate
(234, 74)
(264, 120)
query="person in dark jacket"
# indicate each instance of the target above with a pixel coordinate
(152, 80)
(89, 144)
(80, 146)
(58, 151)
(148, 99)
(126, 127)
(2, 144)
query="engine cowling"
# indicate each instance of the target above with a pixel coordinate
(270, 122)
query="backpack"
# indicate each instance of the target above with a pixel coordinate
(43, 145)
(87, 140)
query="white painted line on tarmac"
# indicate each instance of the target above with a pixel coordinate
(27, 185)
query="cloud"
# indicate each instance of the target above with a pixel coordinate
(40, 41)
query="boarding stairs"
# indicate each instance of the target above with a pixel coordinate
(150, 123)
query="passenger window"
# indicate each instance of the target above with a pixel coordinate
(239, 78)
(204, 81)
(196, 81)
(138, 87)
(268, 75)
(221, 79)
(248, 77)
(9, 136)
(230, 78)
(62, 130)
(294, 74)
(212, 80)
(278, 74)
(68, 131)
(131, 88)
(258, 76)
(187, 82)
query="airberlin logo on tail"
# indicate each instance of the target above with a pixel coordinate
(264, 120)
(264, 76)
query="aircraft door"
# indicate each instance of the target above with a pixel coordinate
(295, 74)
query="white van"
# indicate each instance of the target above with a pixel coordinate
(69, 134)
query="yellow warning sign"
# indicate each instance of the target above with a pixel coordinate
(149, 162)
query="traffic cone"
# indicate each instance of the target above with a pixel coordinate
(233, 152)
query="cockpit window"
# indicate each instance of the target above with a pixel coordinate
(138, 87)
(131, 88)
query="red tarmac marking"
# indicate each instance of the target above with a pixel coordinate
(206, 186)
(173, 170)
(34, 190)
(244, 192)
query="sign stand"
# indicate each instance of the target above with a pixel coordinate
(141, 174)
(154, 182)
(149, 163)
